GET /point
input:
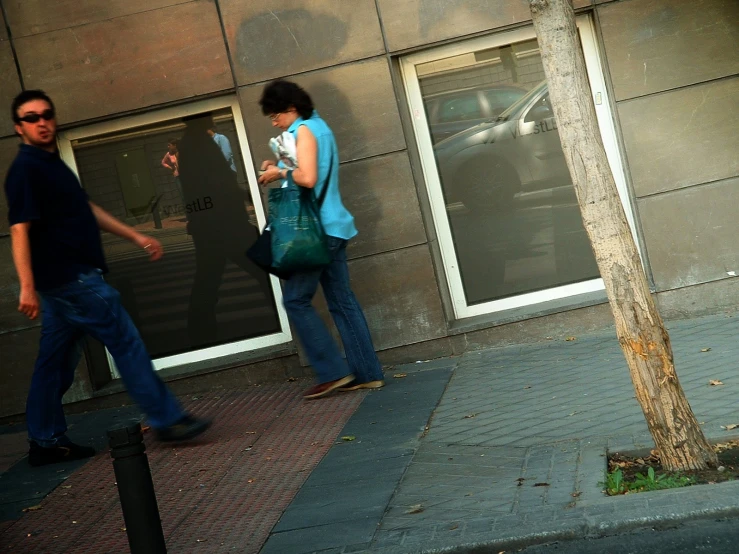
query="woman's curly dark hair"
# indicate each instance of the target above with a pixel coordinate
(279, 96)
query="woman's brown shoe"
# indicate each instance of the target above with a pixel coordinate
(367, 385)
(317, 391)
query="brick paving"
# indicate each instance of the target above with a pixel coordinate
(223, 493)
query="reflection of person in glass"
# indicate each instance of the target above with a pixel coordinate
(291, 109)
(224, 144)
(218, 222)
(170, 162)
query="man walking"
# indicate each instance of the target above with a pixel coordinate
(57, 251)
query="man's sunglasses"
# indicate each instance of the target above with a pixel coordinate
(46, 115)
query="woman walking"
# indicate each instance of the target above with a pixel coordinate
(291, 109)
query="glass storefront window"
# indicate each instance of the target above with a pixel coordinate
(183, 181)
(509, 225)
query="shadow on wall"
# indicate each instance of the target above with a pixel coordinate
(435, 12)
(278, 36)
(336, 109)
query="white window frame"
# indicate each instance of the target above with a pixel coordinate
(64, 140)
(438, 207)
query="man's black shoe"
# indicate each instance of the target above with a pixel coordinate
(40, 456)
(187, 428)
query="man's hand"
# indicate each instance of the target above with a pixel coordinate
(29, 304)
(267, 163)
(152, 246)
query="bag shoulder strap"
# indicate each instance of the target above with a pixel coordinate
(322, 196)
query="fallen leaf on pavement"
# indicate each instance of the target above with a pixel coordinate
(730, 426)
(570, 339)
(415, 509)
(705, 349)
(32, 508)
(541, 484)
(400, 375)
(453, 527)
(715, 382)
(576, 494)
(527, 387)
(469, 416)
(348, 438)
(250, 480)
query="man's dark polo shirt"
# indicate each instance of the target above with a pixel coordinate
(64, 235)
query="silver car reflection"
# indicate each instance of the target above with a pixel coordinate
(488, 166)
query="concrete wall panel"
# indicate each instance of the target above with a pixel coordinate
(683, 137)
(381, 195)
(691, 234)
(31, 17)
(656, 45)
(15, 377)
(400, 297)
(415, 22)
(8, 150)
(356, 100)
(10, 318)
(10, 85)
(129, 62)
(269, 40)
(3, 30)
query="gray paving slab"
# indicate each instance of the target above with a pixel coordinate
(515, 451)
(330, 512)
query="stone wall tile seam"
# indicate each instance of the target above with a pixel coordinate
(9, 39)
(99, 21)
(351, 258)
(382, 26)
(687, 187)
(372, 156)
(383, 252)
(675, 89)
(692, 285)
(365, 59)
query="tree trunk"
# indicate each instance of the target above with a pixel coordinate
(641, 332)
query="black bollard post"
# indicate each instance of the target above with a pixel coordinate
(136, 490)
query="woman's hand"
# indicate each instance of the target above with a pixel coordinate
(267, 163)
(271, 173)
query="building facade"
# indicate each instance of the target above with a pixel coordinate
(470, 235)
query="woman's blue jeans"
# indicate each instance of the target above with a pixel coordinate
(320, 348)
(88, 305)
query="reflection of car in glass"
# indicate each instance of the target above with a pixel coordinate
(449, 113)
(487, 165)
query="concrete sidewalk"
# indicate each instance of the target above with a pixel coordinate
(485, 452)
(511, 419)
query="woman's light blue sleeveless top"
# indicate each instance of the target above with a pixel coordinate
(336, 219)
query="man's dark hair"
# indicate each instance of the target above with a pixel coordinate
(172, 141)
(279, 96)
(27, 96)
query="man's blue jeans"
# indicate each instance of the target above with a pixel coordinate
(90, 306)
(320, 348)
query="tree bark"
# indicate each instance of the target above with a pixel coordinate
(641, 332)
